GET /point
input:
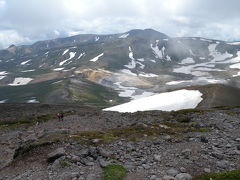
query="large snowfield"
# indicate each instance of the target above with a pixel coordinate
(169, 101)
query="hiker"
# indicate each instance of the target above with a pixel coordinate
(60, 116)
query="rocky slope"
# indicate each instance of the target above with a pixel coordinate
(150, 145)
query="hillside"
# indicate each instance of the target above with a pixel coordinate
(127, 66)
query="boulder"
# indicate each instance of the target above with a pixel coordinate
(56, 154)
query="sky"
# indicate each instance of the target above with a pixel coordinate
(28, 21)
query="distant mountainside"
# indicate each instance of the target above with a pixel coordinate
(105, 70)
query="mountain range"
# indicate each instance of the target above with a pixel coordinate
(107, 70)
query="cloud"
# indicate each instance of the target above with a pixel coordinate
(29, 20)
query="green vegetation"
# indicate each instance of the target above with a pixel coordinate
(230, 175)
(186, 111)
(114, 172)
(64, 163)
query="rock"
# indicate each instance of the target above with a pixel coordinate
(223, 164)
(203, 139)
(207, 170)
(167, 137)
(146, 166)
(172, 172)
(75, 175)
(103, 163)
(168, 177)
(84, 153)
(237, 139)
(238, 147)
(56, 154)
(104, 153)
(218, 155)
(186, 153)
(183, 176)
(157, 157)
(183, 170)
(75, 159)
(95, 141)
(153, 177)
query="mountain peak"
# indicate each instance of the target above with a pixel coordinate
(150, 33)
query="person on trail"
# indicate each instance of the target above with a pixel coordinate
(60, 116)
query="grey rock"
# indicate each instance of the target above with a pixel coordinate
(186, 153)
(103, 163)
(183, 176)
(166, 177)
(56, 154)
(203, 139)
(104, 153)
(153, 177)
(238, 147)
(183, 170)
(157, 157)
(172, 172)
(207, 170)
(223, 164)
(84, 152)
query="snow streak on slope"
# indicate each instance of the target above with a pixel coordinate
(169, 101)
(97, 57)
(3, 73)
(123, 36)
(131, 64)
(235, 66)
(81, 55)
(71, 54)
(157, 52)
(187, 61)
(65, 51)
(20, 81)
(25, 62)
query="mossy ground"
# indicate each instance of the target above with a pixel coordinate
(114, 172)
(230, 175)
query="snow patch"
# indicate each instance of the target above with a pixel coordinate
(233, 43)
(123, 36)
(177, 82)
(127, 71)
(3, 101)
(3, 73)
(71, 54)
(97, 57)
(58, 69)
(32, 100)
(238, 74)
(169, 101)
(30, 70)
(81, 55)
(1, 77)
(19, 81)
(148, 75)
(97, 38)
(187, 61)
(235, 66)
(159, 53)
(64, 52)
(25, 62)
(132, 64)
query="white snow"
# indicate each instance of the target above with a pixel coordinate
(25, 62)
(177, 82)
(233, 43)
(217, 55)
(123, 36)
(19, 81)
(141, 65)
(3, 73)
(127, 71)
(207, 40)
(58, 69)
(1, 77)
(64, 52)
(141, 59)
(3, 101)
(152, 60)
(97, 57)
(71, 54)
(169, 101)
(33, 100)
(97, 38)
(187, 61)
(235, 66)
(159, 53)
(238, 74)
(81, 55)
(148, 75)
(132, 64)
(30, 70)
